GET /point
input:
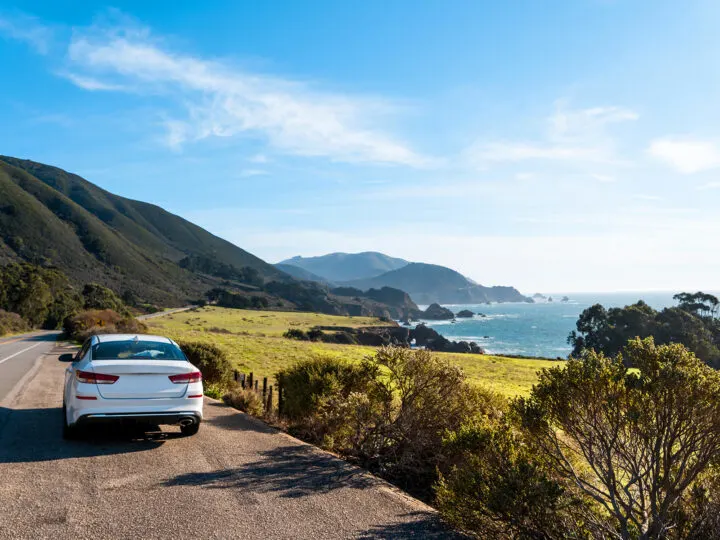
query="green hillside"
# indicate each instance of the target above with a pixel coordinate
(54, 218)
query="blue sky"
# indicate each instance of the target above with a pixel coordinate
(555, 146)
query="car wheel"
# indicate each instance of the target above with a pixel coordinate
(69, 432)
(192, 429)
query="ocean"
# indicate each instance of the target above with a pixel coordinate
(539, 329)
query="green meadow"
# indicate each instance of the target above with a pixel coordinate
(254, 342)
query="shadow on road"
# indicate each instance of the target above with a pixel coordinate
(235, 421)
(291, 471)
(424, 525)
(48, 336)
(31, 435)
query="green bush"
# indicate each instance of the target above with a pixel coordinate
(212, 361)
(495, 486)
(389, 413)
(398, 428)
(87, 323)
(245, 400)
(309, 384)
(12, 323)
(214, 390)
(295, 333)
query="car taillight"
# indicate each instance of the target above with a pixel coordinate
(97, 378)
(186, 378)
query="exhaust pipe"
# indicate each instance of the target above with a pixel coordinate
(187, 422)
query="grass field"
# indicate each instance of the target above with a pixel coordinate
(254, 342)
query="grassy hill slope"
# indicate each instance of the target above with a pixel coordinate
(51, 217)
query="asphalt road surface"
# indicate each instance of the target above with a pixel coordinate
(236, 479)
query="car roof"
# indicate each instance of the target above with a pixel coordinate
(106, 338)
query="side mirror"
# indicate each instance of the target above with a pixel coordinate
(67, 357)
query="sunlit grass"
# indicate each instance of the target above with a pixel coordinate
(253, 341)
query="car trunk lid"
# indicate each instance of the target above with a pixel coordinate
(142, 379)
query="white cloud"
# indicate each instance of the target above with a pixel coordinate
(710, 185)
(686, 155)
(573, 135)
(520, 151)
(28, 29)
(221, 101)
(259, 158)
(90, 83)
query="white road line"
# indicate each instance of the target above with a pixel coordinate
(19, 352)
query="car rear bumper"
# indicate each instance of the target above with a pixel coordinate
(168, 418)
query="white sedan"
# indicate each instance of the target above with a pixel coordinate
(131, 378)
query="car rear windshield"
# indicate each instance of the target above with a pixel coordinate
(136, 350)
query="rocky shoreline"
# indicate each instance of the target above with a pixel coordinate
(378, 336)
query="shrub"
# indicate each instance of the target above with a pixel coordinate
(315, 334)
(214, 390)
(295, 333)
(12, 323)
(646, 435)
(310, 383)
(417, 398)
(389, 413)
(87, 323)
(495, 486)
(211, 360)
(245, 400)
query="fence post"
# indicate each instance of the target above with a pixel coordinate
(256, 385)
(250, 380)
(268, 407)
(264, 386)
(236, 375)
(281, 397)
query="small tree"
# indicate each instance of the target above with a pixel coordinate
(99, 297)
(634, 441)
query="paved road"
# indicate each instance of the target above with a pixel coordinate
(18, 355)
(163, 313)
(236, 479)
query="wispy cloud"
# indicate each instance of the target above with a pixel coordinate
(90, 83)
(222, 101)
(571, 135)
(709, 185)
(246, 173)
(686, 155)
(23, 27)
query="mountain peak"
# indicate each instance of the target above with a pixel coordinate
(340, 266)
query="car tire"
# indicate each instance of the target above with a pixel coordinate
(192, 429)
(70, 433)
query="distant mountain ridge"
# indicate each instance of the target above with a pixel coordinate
(425, 283)
(339, 267)
(301, 273)
(431, 283)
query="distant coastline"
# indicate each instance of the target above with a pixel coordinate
(537, 330)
